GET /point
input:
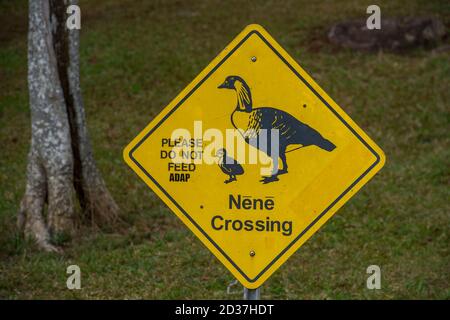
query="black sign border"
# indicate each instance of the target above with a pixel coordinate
(378, 158)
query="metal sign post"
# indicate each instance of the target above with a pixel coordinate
(252, 294)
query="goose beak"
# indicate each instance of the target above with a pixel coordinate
(222, 86)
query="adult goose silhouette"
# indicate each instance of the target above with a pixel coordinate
(250, 122)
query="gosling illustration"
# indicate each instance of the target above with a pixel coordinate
(229, 166)
(250, 121)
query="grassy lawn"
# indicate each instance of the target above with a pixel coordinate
(137, 55)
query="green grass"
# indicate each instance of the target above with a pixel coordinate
(137, 55)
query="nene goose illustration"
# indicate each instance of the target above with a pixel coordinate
(229, 166)
(250, 121)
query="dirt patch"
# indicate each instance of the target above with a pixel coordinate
(14, 22)
(317, 41)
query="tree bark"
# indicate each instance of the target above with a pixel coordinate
(61, 164)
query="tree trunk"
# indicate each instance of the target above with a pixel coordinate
(60, 162)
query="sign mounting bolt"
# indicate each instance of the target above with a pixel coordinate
(254, 59)
(252, 253)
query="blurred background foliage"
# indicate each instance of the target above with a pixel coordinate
(137, 55)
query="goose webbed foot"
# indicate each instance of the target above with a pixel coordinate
(266, 180)
(282, 171)
(230, 180)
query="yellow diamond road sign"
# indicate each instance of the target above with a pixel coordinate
(253, 156)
